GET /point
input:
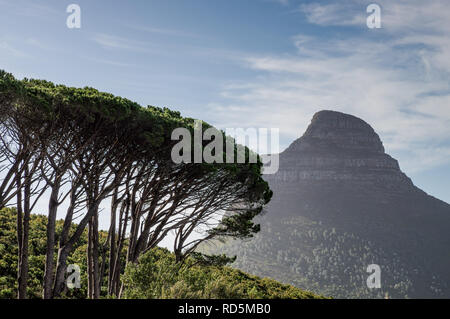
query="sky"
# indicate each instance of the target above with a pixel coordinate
(256, 63)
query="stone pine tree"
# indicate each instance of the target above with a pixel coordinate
(86, 148)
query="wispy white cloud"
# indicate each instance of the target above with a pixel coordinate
(8, 49)
(110, 62)
(164, 31)
(37, 43)
(399, 16)
(283, 2)
(334, 14)
(28, 8)
(115, 42)
(399, 85)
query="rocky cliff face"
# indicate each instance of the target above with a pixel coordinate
(339, 147)
(341, 203)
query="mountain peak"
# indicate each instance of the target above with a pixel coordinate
(339, 147)
(338, 132)
(341, 203)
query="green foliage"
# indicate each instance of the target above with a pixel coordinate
(212, 260)
(8, 253)
(157, 275)
(314, 256)
(37, 244)
(108, 134)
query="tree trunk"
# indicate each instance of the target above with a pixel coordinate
(64, 247)
(61, 268)
(112, 243)
(50, 249)
(89, 262)
(123, 225)
(68, 247)
(93, 267)
(23, 275)
(21, 291)
(95, 257)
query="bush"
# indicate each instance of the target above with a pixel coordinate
(157, 275)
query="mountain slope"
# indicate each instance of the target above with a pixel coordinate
(341, 203)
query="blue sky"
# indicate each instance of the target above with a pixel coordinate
(256, 63)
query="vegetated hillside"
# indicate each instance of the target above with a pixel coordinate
(312, 256)
(156, 276)
(340, 204)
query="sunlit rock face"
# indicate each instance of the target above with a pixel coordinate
(341, 203)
